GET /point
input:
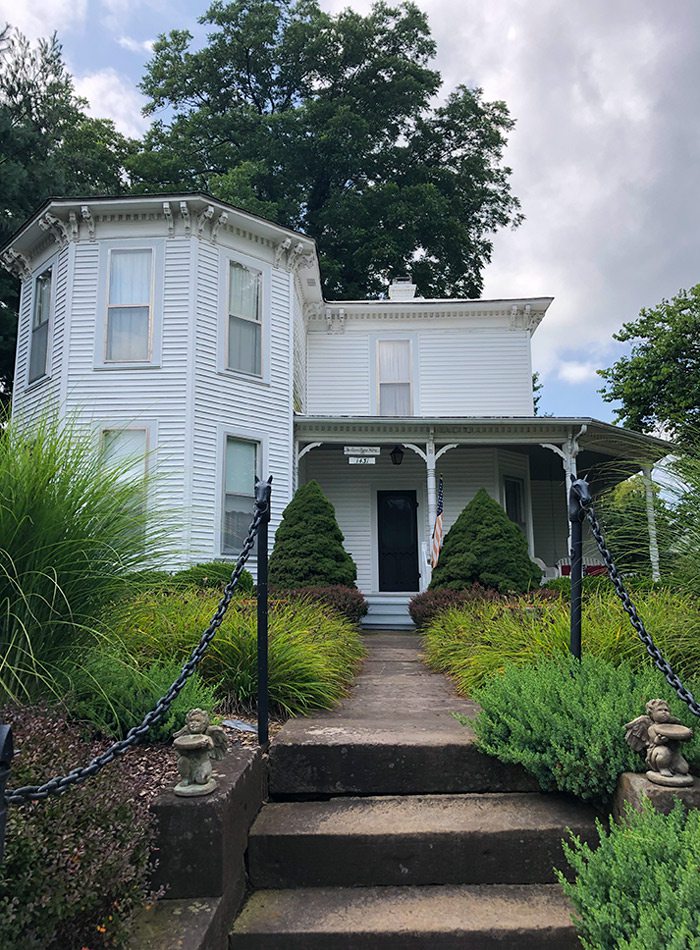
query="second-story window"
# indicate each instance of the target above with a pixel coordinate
(244, 320)
(39, 345)
(394, 376)
(129, 306)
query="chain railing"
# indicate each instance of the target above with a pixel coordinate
(61, 783)
(580, 509)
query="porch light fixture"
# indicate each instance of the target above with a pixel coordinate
(396, 455)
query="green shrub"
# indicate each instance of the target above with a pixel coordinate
(113, 693)
(640, 888)
(476, 641)
(76, 864)
(601, 584)
(483, 546)
(563, 720)
(213, 574)
(313, 655)
(348, 601)
(73, 530)
(308, 549)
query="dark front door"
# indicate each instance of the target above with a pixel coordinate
(397, 533)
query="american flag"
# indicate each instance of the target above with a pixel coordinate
(437, 530)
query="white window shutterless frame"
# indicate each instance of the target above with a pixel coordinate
(394, 373)
(244, 308)
(42, 308)
(242, 459)
(126, 449)
(130, 304)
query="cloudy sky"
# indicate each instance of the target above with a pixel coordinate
(605, 155)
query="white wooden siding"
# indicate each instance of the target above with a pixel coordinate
(227, 401)
(459, 370)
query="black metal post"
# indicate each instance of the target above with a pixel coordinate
(6, 753)
(263, 491)
(578, 494)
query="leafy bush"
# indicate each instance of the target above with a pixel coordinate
(213, 574)
(348, 601)
(73, 531)
(476, 641)
(75, 865)
(563, 721)
(640, 887)
(484, 546)
(308, 549)
(110, 691)
(313, 651)
(424, 607)
(601, 584)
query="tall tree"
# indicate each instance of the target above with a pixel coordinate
(48, 146)
(327, 124)
(658, 383)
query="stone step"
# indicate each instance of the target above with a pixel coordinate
(411, 754)
(482, 917)
(438, 839)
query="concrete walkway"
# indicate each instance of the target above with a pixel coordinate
(387, 829)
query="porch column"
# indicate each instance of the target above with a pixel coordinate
(568, 452)
(651, 523)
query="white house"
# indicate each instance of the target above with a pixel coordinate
(194, 335)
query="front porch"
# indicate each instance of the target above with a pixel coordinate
(386, 505)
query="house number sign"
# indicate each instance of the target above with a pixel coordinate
(362, 449)
(362, 460)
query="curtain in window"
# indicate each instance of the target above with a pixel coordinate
(125, 449)
(240, 469)
(394, 368)
(130, 278)
(40, 326)
(128, 321)
(244, 328)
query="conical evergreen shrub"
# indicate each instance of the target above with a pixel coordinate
(484, 546)
(308, 549)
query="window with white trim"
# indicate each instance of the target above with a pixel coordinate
(244, 348)
(129, 306)
(394, 377)
(241, 460)
(39, 344)
(125, 450)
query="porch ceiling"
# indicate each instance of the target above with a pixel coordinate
(600, 438)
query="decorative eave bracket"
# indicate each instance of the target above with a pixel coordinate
(16, 264)
(55, 227)
(335, 321)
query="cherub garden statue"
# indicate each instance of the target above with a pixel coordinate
(660, 734)
(196, 744)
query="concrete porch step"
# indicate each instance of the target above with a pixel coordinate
(412, 754)
(438, 839)
(388, 611)
(491, 917)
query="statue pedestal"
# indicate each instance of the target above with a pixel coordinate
(633, 787)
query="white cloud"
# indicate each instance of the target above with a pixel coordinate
(113, 96)
(572, 371)
(136, 46)
(37, 18)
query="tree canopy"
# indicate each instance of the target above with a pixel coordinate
(48, 146)
(658, 383)
(327, 124)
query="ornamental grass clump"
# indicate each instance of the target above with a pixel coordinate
(73, 530)
(308, 549)
(485, 547)
(313, 651)
(563, 720)
(476, 641)
(639, 888)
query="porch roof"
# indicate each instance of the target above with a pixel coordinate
(599, 437)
